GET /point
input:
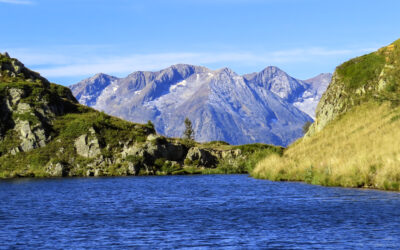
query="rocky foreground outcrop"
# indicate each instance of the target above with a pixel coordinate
(44, 131)
(370, 77)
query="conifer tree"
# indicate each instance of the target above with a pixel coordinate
(189, 132)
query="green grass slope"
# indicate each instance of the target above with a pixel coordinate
(355, 140)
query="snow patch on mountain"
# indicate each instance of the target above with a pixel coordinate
(268, 107)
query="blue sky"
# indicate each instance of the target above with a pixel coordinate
(68, 40)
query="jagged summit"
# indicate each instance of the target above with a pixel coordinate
(90, 88)
(278, 82)
(12, 70)
(226, 70)
(100, 75)
(181, 66)
(221, 104)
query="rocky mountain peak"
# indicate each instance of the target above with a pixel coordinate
(184, 67)
(101, 76)
(271, 70)
(226, 70)
(221, 104)
(277, 81)
(267, 73)
(12, 69)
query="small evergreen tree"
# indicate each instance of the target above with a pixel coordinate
(188, 134)
(150, 125)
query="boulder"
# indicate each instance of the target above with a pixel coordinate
(23, 108)
(15, 95)
(88, 145)
(98, 172)
(133, 169)
(30, 138)
(175, 152)
(201, 157)
(153, 137)
(57, 169)
(152, 150)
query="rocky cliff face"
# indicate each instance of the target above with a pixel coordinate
(222, 105)
(28, 105)
(44, 131)
(370, 77)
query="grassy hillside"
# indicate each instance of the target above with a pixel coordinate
(45, 132)
(359, 149)
(355, 140)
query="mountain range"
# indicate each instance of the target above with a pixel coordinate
(268, 107)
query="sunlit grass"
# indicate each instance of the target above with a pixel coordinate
(360, 149)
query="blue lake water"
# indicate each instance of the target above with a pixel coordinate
(204, 211)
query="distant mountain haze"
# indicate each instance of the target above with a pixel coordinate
(269, 106)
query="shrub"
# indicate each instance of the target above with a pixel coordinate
(188, 134)
(135, 159)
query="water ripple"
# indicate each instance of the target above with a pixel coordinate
(212, 211)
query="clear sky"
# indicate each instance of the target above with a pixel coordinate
(68, 40)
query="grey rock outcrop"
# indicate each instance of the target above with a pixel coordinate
(201, 157)
(11, 67)
(156, 147)
(362, 79)
(26, 119)
(87, 145)
(31, 134)
(30, 138)
(57, 169)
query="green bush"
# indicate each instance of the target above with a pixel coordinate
(135, 159)
(252, 148)
(170, 168)
(216, 143)
(31, 118)
(160, 162)
(150, 125)
(188, 162)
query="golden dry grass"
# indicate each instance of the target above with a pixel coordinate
(359, 149)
